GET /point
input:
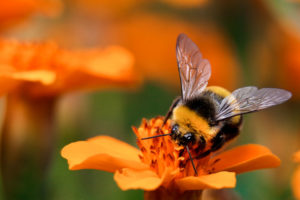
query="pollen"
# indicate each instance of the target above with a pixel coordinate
(162, 153)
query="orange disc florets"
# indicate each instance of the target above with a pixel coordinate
(162, 153)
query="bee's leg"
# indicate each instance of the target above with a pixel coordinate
(218, 141)
(201, 144)
(170, 111)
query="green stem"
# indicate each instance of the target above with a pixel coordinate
(27, 144)
(172, 194)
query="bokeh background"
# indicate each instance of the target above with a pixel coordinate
(247, 42)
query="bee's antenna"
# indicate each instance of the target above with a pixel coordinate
(145, 138)
(188, 150)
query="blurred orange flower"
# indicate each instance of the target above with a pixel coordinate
(289, 73)
(34, 75)
(162, 168)
(296, 177)
(14, 10)
(151, 40)
(279, 59)
(44, 69)
(274, 56)
(153, 45)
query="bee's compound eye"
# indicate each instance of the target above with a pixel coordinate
(188, 138)
(175, 129)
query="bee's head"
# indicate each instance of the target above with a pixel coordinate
(187, 137)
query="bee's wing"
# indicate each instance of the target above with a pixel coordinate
(193, 69)
(250, 99)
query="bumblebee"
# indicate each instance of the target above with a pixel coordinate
(204, 118)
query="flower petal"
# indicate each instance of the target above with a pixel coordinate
(297, 156)
(44, 76)
(212, 181)
(102, 153)
(296, 183)
(245, 158)
(62, 70)
(131, 179)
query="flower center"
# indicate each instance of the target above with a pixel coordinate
(162, 154)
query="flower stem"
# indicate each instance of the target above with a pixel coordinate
(164, 194)
(27, 144)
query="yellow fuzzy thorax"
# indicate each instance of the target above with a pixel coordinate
(218, 90)
(189, 121)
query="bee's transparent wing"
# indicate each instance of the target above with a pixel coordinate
(193, 69)
(250, 99)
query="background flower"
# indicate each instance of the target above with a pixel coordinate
(44, 69)
(296, 177)
(34, 75)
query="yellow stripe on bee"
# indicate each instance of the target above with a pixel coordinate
(188, 119)
(223, 93)
(218, 90)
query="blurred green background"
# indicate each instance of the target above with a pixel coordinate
(248, 43)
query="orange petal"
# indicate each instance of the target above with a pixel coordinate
(297, 156)
(212, 181)
(296, 183)
(44, 76)
(245, 158)
(131, 179)
(102, 153)
(113, 61)
(62, 70)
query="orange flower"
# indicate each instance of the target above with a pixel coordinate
(296, 177)
(154, 50)
(34, 75)
(289, 71)
(44, 69)
(275, 51)
(153, 45)
(162, 168)
(284, 45)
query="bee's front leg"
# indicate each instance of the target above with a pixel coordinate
(170, 111)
